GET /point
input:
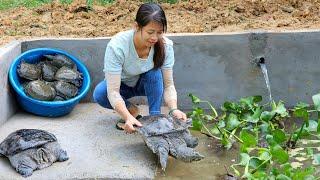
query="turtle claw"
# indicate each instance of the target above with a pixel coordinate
(163, 157)
(25, 171)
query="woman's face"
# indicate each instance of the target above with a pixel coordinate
(151, 33)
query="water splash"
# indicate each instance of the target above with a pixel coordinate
(266, 78)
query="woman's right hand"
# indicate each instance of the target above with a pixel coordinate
(129, 125)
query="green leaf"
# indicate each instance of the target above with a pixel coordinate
(279, 136)
(229, 106)
(253, 118)
(312, 126)
(287, 169)
(301, 113)
(264, 156)
(232, 122)
(215, 130)
(270, 140)
(226, 142)
(279, 154)
(221, 124)
(250, 100)
(305, 174)
(266, 116)
(264, 127)
(316, 159)
(248, 139)
(309, 152)
(196, 124)
(261, 175)
(208, 117)
(194, 99)
(282, 177)
(280, 109)
(301, 105)
(244, 159)
(318, 127)
(256, 162)
(316, 101)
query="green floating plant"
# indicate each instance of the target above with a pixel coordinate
(259, 128)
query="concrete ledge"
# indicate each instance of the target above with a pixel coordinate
(96, 149)
(219, 66)
(7, 101)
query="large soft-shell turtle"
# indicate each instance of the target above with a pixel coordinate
(65, 90)
(60, 60)
(166, 135)
(31, 149)
(40, 90)
(69, 75)
(48, 71)
(29, 71)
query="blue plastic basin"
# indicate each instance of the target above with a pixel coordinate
(46, 108)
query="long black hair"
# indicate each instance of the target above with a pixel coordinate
(153, 12)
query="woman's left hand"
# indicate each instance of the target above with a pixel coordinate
(179, 114)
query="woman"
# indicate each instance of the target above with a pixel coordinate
(139, 62)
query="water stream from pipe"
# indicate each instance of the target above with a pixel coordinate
(266, 78)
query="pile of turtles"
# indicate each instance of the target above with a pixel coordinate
(52, 78)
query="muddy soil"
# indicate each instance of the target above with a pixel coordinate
(192, 16)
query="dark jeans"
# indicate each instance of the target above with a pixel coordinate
(150, 84)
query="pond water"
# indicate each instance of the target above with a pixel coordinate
(211, 167)
(217, 159)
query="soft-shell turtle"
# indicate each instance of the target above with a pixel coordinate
(40, 90)
(166, 135)
(48, 71)
(69, 75)
(60, 60)
(65, 90)
(29, 71)
(32, 149)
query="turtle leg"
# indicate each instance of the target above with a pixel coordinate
(187, 154)
(179, 149)
(58, 152)
(24, 170)
(163, 154)
(160, 147)
(23, 163)
(189, 139)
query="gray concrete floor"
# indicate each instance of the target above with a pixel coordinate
(96, 149)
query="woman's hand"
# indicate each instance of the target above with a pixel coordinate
(179, 114)
(130, 123)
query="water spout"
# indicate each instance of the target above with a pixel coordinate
(262, 64)
(260, 60)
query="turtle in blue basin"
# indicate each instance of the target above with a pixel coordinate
(60, 60)
(166, 135)
(29, 71)
(31, 149)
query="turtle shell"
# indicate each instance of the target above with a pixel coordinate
(156, 125)
(65, 90)
(48, 71)
(40, 90)
(29, 71)
(69, 75)
(23, 139)
(60, 60)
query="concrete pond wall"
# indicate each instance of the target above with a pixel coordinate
(214, 67)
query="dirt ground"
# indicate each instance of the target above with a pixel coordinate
(192, 16)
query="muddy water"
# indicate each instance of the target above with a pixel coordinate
(217, 159)
(211, 167)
